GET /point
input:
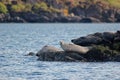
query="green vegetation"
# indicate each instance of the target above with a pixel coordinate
(3, 8)
(38, 6)
(114, 3)
(66, 5)
(28, 7)
(17, 8)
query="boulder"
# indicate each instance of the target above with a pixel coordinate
(87, 41)
(31, 54)
(61, 56)
(96, 39)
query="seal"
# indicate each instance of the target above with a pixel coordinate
(47, 53)
(47, 49)
(69, 47)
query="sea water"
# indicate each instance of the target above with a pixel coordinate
(17, 40)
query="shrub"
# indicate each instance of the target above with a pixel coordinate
(27, 7)
(17, 8)
(3, 8)
(38, 6)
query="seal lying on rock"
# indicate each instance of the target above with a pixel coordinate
(47, 53)
(73, 48)
(49, 49)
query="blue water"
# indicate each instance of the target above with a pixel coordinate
(16, 40)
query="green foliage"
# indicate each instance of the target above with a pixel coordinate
(3, 8)
(54, 10)
(116, 46)
(114, 3)
(28, 7)
(38, 6)
(18, 8)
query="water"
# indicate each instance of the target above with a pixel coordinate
(16, 40)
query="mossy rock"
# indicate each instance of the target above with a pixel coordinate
(101, 53)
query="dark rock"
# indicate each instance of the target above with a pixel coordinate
(96, 38)
(117, 58)
(101, 54)
(79, 11)
(94, 11)
(60, 56)
(109, 36)
(117, 15)
(94, 55)
(30, 54)
(90, 20)
(8, 18)
(87, 41)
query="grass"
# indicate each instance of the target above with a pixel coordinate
(113, 3)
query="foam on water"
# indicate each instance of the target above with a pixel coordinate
(16, 40)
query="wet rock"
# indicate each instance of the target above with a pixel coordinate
(61, 56)
(31, 54)
(96, 38)
(90, 20)
(87, 41)
(117, 58)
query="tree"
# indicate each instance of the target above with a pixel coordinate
(3, 8)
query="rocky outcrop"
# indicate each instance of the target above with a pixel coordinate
(96, 39)
(102, 47)
(7, 18)
(60, 56)
(94, 55)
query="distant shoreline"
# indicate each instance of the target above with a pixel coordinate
(55, 11)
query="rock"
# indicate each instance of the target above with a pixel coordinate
(117, 58)
(31, 54)
(73, 48)
(87, 41)
(108, 35)
(66, 19)
(94, 11)
(90, 20)
(96, 39)
(117, 15)
(61, 56)
(78, 11)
